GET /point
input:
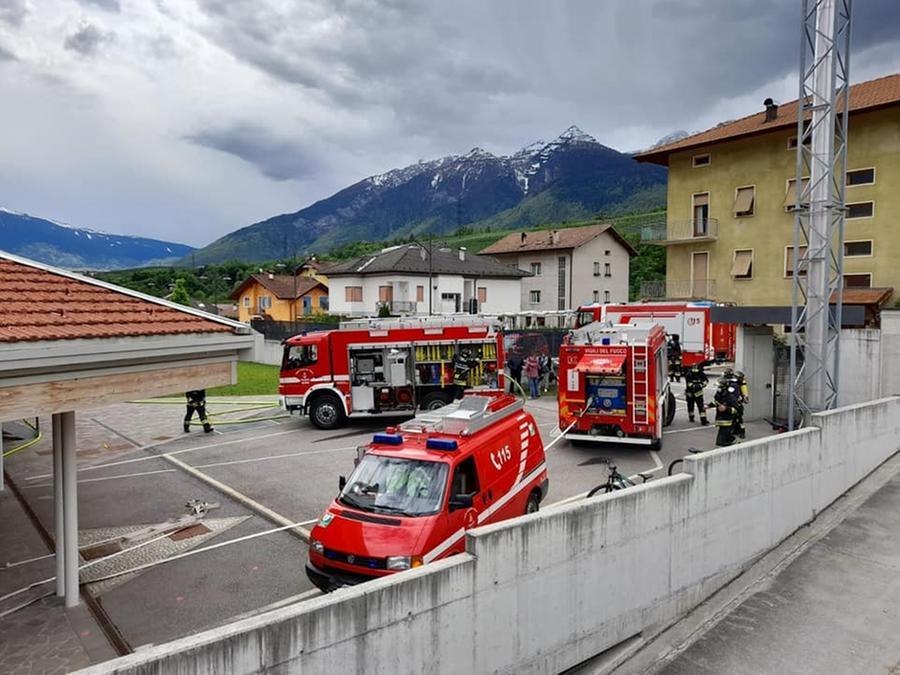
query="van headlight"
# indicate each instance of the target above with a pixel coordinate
(403, 562)
(316, 546)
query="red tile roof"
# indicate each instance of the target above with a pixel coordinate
(280, 285)
(865, 296)
(879, 93)
(542, 240)
(41, 304)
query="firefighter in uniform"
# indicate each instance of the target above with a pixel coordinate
(738, 381)
(724, 403)
(673, 354)
(196, 401)
(694, 382)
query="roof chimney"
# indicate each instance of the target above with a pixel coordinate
(771, 110)
(462, 253)
(271, 276)
(523, 237)
(554, 236)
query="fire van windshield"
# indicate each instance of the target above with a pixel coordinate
(398, 486)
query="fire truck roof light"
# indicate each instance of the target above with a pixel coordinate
(388, 439)
(606, 340)
(441, 444)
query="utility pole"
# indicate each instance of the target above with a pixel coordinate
(818, 248)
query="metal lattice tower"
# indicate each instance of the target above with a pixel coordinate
(818, 249)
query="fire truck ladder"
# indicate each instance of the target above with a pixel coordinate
(639, 380)
(469, 415)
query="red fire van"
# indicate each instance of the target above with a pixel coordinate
(418, 487)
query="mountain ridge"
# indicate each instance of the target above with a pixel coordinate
(572, 176)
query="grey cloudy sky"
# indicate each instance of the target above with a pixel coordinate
(186, 119)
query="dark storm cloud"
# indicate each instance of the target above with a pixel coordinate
(13, 12)
(277, 158)
(108, 5)
(88, 39)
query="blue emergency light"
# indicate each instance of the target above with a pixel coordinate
(441, 444)
(604, 341)
(388, 439)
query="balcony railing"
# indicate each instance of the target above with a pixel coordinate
(679, 289)
(680, 231)
(397, 306)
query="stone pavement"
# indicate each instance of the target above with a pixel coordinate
(835, 609)
(42, 637)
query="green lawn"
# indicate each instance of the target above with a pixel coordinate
(254, 379)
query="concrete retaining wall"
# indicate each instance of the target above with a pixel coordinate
(860, 373)
(544, 593)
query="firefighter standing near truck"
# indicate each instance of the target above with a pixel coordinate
(673, 354)
(725, 402)
(196, 401)
(738, 382)
(695, 381)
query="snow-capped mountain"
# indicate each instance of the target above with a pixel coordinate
(80, 248)
(572, 176)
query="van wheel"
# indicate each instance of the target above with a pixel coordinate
(327, 413)
(533, 504)
(435, 400)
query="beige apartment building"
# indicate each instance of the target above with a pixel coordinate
(568, 267)
(731, 193)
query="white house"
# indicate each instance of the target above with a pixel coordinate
(568, 267)
(416, 279)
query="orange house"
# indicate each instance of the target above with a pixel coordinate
(280, 297)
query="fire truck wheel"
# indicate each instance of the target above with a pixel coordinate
(435, 400)
(534, 503)
(326, 412)
(670, 409)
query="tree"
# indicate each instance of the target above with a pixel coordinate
(180, 294)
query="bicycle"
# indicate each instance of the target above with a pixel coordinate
(675, 462)
(615, 480)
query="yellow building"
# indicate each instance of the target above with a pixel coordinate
(731, 195)
(280, 296)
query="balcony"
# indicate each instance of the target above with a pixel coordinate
(396, 307)
(680, 232)
(679, 289)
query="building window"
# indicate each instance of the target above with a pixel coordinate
(606, 296)
(534, 297)
(420, 294)
(792, 143)
(247, 301)
(700, 211)
(607, 269)
(789, 261)
(790, 196)
(744, 201)
(482, 295)
(700, 160)
(596, 296)
(861, 177)
(854, 249)
(861, 210)
(264, 302)
(561, 283)
(353, 294)
(742, 264)
(596, 269)
(607, 252)
(385, 294)
(536, 269)
(858, 280)
(323, 302)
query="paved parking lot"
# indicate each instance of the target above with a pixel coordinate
(263, 474)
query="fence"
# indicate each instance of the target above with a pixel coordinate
(282, 330)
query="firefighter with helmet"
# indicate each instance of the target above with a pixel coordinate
(725, 402)
(673, 354)
(738, 381)
(695, 381)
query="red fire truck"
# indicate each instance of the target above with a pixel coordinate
(374, 367)
(701, 340)
(614, 384)
(418, 487)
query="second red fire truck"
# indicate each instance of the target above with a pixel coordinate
(614, 384)
(702, 341)
(381, 367)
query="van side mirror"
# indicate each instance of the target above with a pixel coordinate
(461, 502)
(342, 482)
